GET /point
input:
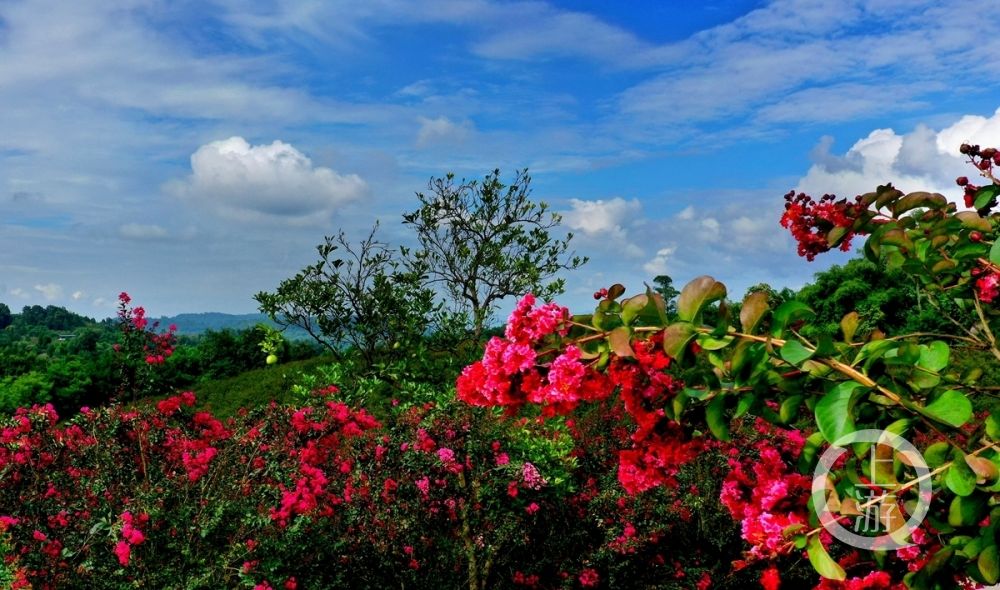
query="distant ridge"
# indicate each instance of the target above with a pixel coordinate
(196, 323)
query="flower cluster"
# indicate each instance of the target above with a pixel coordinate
(511, 373)
(765, 493)
(810, 221)
(987, 285)
(131, 536)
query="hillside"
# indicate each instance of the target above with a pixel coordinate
(197, 323)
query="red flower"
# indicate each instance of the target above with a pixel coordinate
(770, 579)
(589, 578)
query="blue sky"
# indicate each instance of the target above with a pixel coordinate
(194, 152)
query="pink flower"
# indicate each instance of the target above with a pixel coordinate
(532, 477)
(532, 508)
(123, 551)
(988, 287)
(589, 578)
(424, 485)
(530, 325)
(446, 455)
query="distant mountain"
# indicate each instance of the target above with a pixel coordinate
(196, 323)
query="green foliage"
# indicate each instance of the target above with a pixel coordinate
(256, 387)
(664, 285)
(365, 299)
(483, 241)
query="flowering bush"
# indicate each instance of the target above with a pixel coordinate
(676, 377)
(140, 351)
(625, 447)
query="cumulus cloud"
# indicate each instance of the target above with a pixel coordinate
(658, 264)
(138, 231)
(923, 159)
(78, 295)
(602, 220)
(50, 291)
(442, 130)
(600, 216)
(274, 181)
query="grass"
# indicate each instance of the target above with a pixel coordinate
(223, 397)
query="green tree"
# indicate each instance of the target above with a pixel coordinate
(366, 299)
(664, 285)
(886, 300)
(483, 241)
(5, 316)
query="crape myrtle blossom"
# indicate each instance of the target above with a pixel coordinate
(516, 370)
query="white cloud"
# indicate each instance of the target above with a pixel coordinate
(603, 223)
(19, 293)
(810, 61)
(658, 264)
(78, 295)
(272, 181)
(687, 214)
(601, 216)
(50, 291)
(536, 31)
(923, 159)
(138, 231)
(442, 130)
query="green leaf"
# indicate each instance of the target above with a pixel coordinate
(607, 316)
(787, 313)
(646, 309)
(898, 238)
(619, 340)
(899, 427)
(822, 562)
(849, 325)
(960, 478)
(995, 252)
(993, 427)
(934, 356)
(989, 564)
(789, 409)
(698, 394)
(836, 235)
(984, 195)
(810, 451)
(951, 408)
(676, 337)
(937, 454)
(972, 220)
(886, 194)
(795, 353)
(967, 510)
(632, 306)
(696, 295)
(709, 343)
(747, 400)
(834, 411)
(715, 416)
(753, 310)
(918, 199)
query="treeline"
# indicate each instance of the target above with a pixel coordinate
(52, 355)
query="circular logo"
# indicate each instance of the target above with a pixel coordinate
(875, 508)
